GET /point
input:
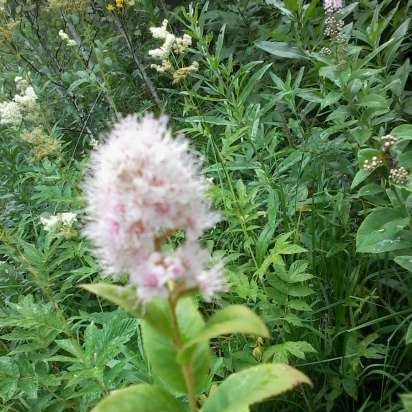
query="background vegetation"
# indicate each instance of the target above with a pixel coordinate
(285, 114)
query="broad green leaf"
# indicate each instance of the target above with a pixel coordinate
(405, 159)
(232, 319)
(370, 189)
(139, 398)
(280, 49)
(374, 101)
(253, 385)
(407, 401)
(380, 232)
(126, 299)
(405, 262)
(403, 132)
(162, 353)
(360, 176)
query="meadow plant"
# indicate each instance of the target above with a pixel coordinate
(142, 187)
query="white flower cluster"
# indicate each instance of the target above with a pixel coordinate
(143, 186)
(325, 51)
(179, 45)
(55, 221)
(11, 112)
(387, 142)
(333, 24)
(182, 73)
(398, 175)
(370, 165)
(66, 38)
(332, 6)
(171, 43)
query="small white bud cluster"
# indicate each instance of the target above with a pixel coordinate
(370, 165)
(398, 175)
(333, 24)
(387, 141)
(66, 38)
(325, 51)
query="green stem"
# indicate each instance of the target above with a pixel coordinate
(187, 369)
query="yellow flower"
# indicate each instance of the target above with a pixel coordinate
(110, 7)
(119, 3)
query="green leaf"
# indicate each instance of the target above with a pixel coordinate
(360, 176)
(232, 319)
(405, 262)
(280, 49)
(408, 336)
(380, 232)
(253, 385)
(403, 132)
(162, 354)
(407, 401)
(126, 299)
(405, 159)
(281, 351)
(139, 398)
(251, 84)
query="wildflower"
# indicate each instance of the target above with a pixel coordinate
(332, 6)
(333, 24)
(398, 175)
(52, 222)
(10, 114)
(160, 32)
(119, 3)
(66, 38)
(370, 165)
(182, 73)
(110, 7)
(143, 185)
(387, 141)
(163, 52)
(21, 84)
(166, 66)
(181, 44)
(27, 99)
(325, 51)
(42, 145)
(7, 29)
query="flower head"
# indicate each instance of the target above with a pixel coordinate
(332, 5)
(10, 113)
(143, 186)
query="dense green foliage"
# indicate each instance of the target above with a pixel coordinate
(317, 245)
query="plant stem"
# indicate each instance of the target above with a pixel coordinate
(187, 370)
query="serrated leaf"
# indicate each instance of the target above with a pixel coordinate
(151, 313)
(253, 385)
(139, 398)
(162, 354)
(232, 319)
